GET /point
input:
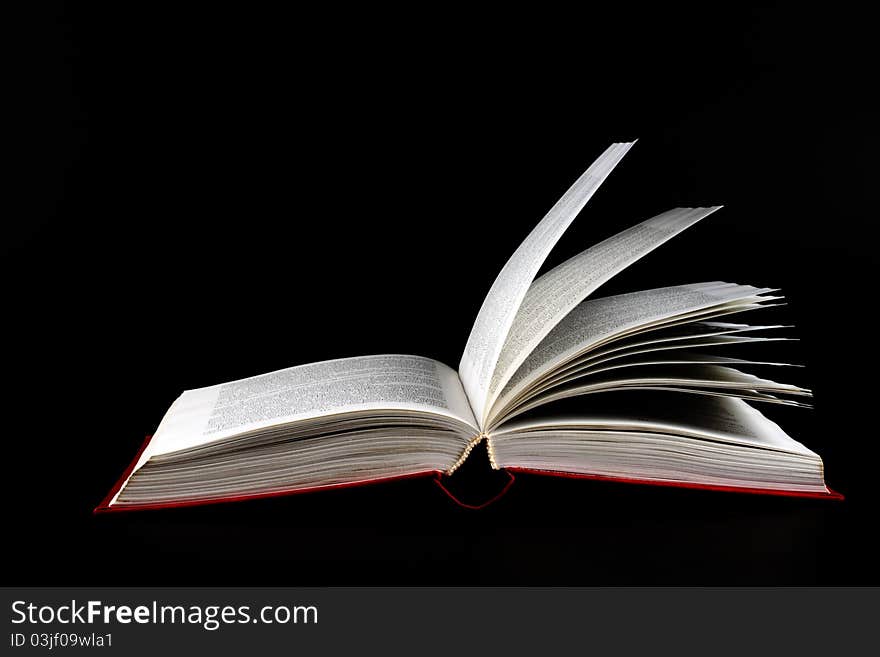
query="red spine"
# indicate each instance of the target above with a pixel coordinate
(482, 505)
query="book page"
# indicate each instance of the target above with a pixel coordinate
(556, 293)
(345, 385)
(595, 320)
(579, 366)
(503, 300)
(384, 384)
(699, 379)
(709, 441)
(725, 419)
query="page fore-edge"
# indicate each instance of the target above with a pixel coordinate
(105, 507)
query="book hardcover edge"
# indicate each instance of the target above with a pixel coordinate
(681, 484)
(104, 505)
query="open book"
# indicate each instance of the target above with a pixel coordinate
(535, 341)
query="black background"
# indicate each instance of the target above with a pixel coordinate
(215, 193)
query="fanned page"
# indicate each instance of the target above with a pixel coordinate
(319, 398)
(595, 322)
(699, 376)
(551, 297)
(497, 313)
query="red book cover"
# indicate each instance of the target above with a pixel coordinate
(682, 484)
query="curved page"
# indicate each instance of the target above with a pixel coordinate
(724, 419)
(709, 379)
(595, 320)
(501, 304)
(556, 293)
